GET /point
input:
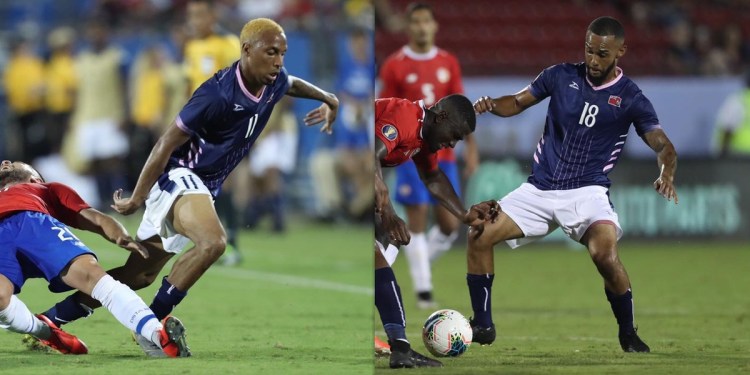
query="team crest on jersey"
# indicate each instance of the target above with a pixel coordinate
(614, 100)
(443, 75)
(411, 78)
(390, 132)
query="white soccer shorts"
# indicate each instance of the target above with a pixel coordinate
(539, 212)
(161, 198)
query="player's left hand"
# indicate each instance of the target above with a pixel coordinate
(128, 243)
(325, 113)
(664, 185)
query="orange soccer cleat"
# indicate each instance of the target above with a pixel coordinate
(173, 341)
(62, 341)
(382, 348)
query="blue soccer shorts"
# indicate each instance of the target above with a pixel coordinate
(33, 245)
(410, 190)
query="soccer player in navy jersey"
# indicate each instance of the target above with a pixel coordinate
(592, 105)
(188, 164)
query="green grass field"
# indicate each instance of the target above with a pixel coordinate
(299, 304)
(691, 304)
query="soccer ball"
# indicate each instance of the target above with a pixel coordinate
(447, 333)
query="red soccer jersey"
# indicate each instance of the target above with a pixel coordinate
(55, 199)
(398, 123)
(427, 76)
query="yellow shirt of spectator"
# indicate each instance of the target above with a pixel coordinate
(61, 83)
(100, 92)
(24, 84)
(204, 57)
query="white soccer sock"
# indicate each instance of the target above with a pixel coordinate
(18, 318)
(127, 307)
(419, 262)
(438, 243)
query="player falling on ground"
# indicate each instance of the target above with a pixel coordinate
(407, 130)
(420, 70)
(36, 242)
(592, 105)
(188, 164)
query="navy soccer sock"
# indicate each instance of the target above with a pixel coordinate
(622, 307)
(389, 303)
(67, 311)
(480, 290)
(167, 298)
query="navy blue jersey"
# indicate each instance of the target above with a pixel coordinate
(586, 126)
(223, 120)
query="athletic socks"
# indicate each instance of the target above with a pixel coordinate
(18, 318)
(438, 242)
(417, 256)
(67, 310)
(622, 307)
(166, 299)
(480, 290)
(126, 306)
(389, 303)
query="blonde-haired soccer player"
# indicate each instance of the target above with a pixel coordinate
(188, 164)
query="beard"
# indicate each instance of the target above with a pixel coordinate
(12, 176)
(597, 81)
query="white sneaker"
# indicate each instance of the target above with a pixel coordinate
(148, 347)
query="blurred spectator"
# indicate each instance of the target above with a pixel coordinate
(61, 85)
(97, 143)
(272, 158)
(24, 86)
(733, 123)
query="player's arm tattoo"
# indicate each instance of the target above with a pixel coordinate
(666, 155)
(303, 89)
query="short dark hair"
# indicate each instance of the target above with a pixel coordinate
(413, 7)
(459, 109)
(606, 25)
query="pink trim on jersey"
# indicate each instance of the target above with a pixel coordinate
(410, 53)
(182, 126)
(536, 158)
(608, 84)
(608, 167)
(244, 89)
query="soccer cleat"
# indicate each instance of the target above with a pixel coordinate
(631, 343)
(482, 335)
(32, 343)
(425, 301)
(62, 341)
(173, 338)
(148, 347)
(403, 356)
(382, 349)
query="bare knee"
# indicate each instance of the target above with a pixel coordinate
(481, 243)
(5, 295)
(212, 248)
(605, 258)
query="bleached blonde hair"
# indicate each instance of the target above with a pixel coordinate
(258, 26)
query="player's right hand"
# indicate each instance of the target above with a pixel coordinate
(479, 214)
(398, 233)
(125, 206)
(484, 104)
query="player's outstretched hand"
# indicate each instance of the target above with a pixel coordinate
(484, 104)
(664, 185)
(125, 206)
(481, 213)
(128, 243)
(326, 113)
(397, 231)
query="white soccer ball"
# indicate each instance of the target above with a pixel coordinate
(447, 333)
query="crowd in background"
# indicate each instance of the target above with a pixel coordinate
(89, 85)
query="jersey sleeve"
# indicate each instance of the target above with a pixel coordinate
(544, 83)
(644, 115)
(385, 131)
(68, 204)
(204, 107)
(388, 81)
(426, 161)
